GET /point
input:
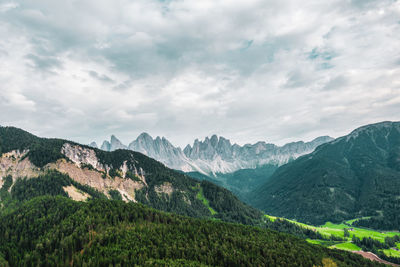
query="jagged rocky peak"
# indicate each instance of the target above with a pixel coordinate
(162, 150)
(209, 148)
(216, 153)
(143, 143)
(214, 140)
(187, 149)
(93, 144)
(113, 144)
(106, 146)
(144, 137)
(116, 143)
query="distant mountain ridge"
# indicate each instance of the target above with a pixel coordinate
(216, 154)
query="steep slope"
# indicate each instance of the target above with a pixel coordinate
(354, 176)
(216, 155)
(62, 232)
(132, 175)
(162, 150)
(240, 182)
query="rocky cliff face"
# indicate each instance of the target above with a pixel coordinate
(216, 154)
(15, 163)
(82, 165)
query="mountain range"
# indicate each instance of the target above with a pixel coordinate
(354, 176)
(215, 155)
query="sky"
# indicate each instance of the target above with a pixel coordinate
(248, 70)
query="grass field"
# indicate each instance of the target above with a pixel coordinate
(391, 252)
(347, 246)
(329, 229)
(338, 230)
(325, 243)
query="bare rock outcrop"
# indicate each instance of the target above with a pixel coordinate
(16, 164)
(94, 178)
(165, 188)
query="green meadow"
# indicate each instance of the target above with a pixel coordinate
(391, 252)
(331, 229)
(338, 230)
(347, 246)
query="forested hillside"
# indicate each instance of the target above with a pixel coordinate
(56, 231)
(146, 180)
(355, 176)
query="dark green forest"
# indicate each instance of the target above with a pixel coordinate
(56, 231)
(51, 183)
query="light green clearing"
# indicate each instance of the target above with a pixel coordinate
(325, 243)
(271, 218)
(314, 241)
(347, 246)
(337, 229)
(391, 252)
(329, 229)
(201, 197)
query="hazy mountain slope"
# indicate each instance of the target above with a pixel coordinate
(240, 182)
(355, 175)
(133, 175)
(216, 155)
(62, 232)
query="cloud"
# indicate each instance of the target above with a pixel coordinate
(43, 63)
(249, 70)
(103, 78)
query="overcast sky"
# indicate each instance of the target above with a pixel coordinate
(248, 70)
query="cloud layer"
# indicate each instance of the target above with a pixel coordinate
(246, 69)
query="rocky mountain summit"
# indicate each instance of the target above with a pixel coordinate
(114, 144)
(216, 154)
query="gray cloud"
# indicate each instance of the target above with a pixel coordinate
(44, 63)
(249, 70)
(103, 77)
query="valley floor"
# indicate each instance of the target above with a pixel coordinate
(334, 238)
